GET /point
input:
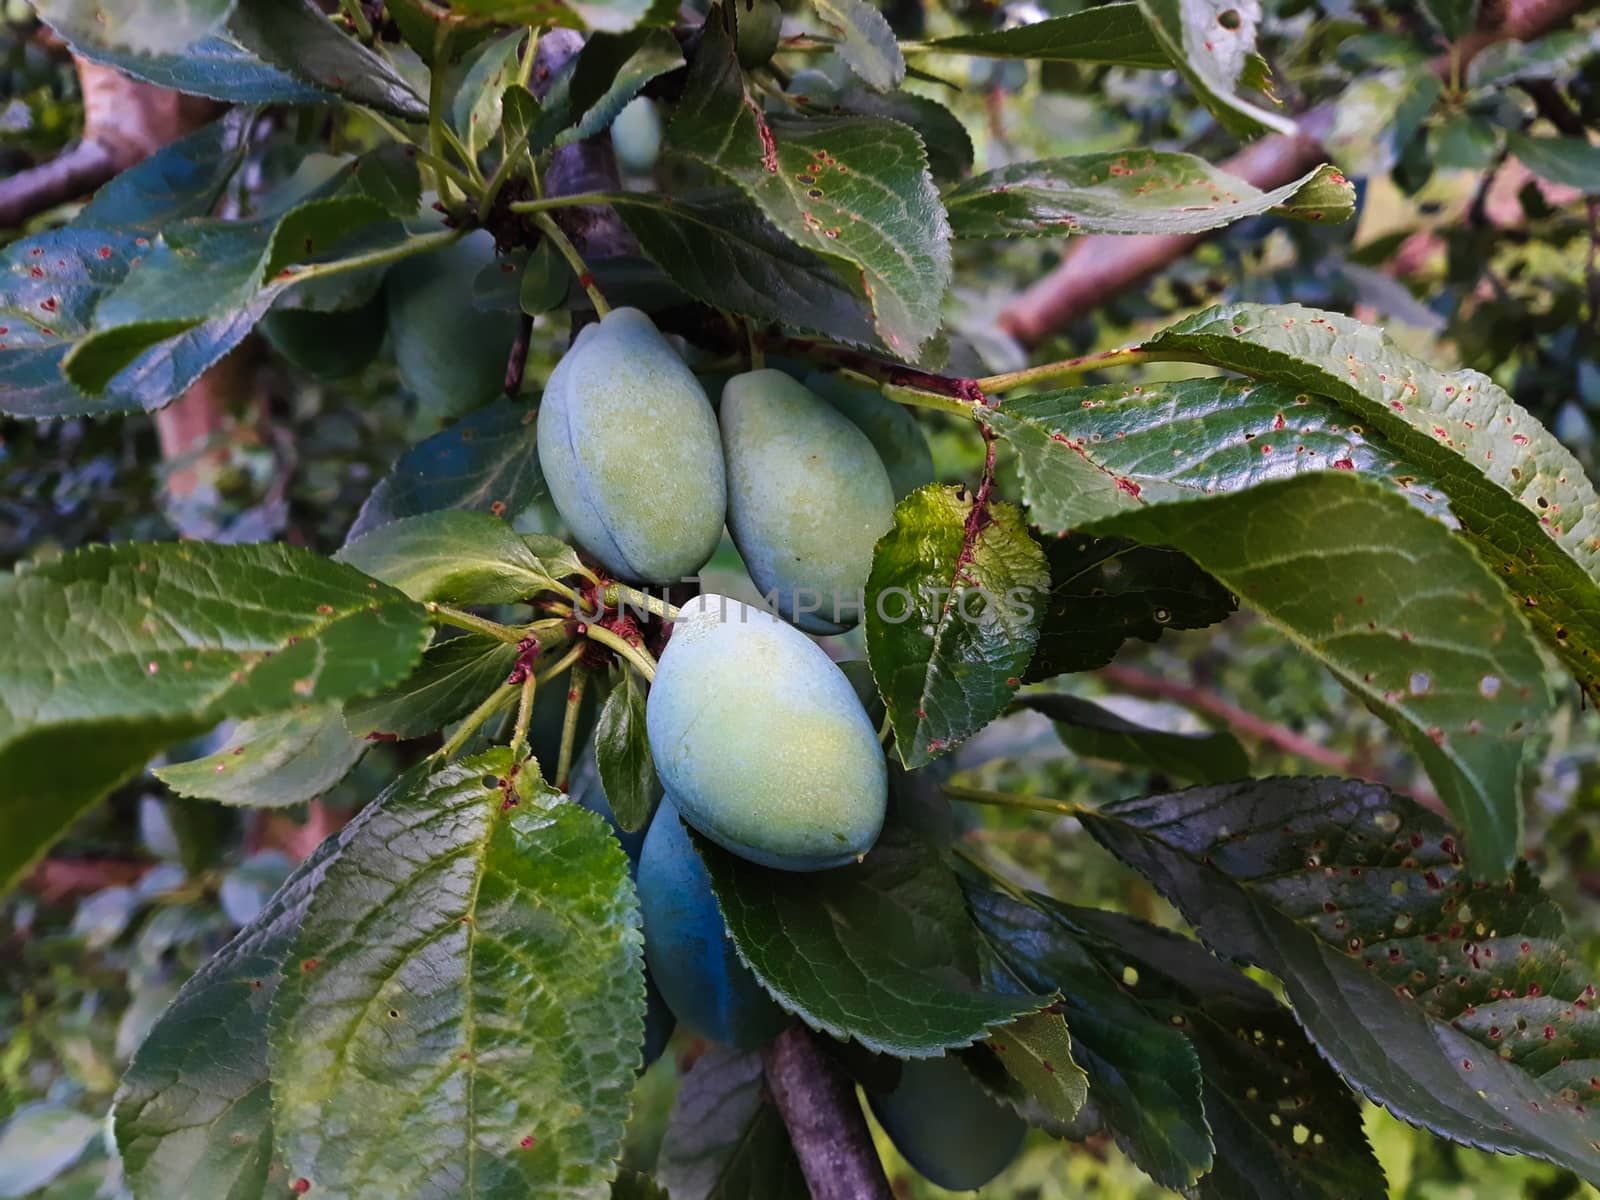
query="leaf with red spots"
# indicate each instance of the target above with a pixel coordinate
(474, 1022)
(1211, 43)
(852, 189)
(1036, 1051)
(954, 602)
(1456, 1003)
(1521, 496)
(1358, 567)
(1282, 1122)
(1132, 191)
(113, 652)
(272, 762)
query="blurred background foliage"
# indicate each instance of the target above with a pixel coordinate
(1467, 255)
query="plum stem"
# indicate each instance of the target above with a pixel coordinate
(826, 1126)
(569, 726)
(1066, 808)
(618, 594)
(447, 615)
(1067, 368)
(492, 703)
(637, 655)
(519, 735)
(568, 251)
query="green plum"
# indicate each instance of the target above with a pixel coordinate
(894, 433)
(760, 26)
(946, 1126)
(762, 741)
(451, 355)
(808, 498)
(636, 136)
(686, 945)
(628, 445)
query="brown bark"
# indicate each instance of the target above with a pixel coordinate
(826, 1126)
(1101, 265)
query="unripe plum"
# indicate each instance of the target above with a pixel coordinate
(636, 136)
(760, 26)
(628, 444)
(762, 741)
(687, 947)
(808, 498)
(894, 433)
(946, 1126)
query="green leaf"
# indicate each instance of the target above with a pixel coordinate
(1550, 57)
(945, 138)
(213, 67)
(719, 248)
(953, 609)
(882, 952)
(622, 756)
(849, 188)
(1401, 610)
(465, 1004)
(1132, 191)
(141, 26)
(1144, 1077)
(465, 557)
(487, 462)
(1466, 142)
(453, 677)
(1036, 1050)
(588, 93)
(1570, 161)
(1210, 42)
(193, 1115)
(272, 762)
(38, 1142)
(607, 16)
(1106, 590)
(1453, 18)
(1095, 732)
(1457, 1003)
(113, 652)
(1115, 34)
(1520, 495)
(1378, 115)
(55, 281)
(632, 1185)
(477, 108)
(725, 1139)
(866, 43)
(295, 36)
(1283, 1122)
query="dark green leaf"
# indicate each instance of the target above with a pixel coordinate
(882, 952)
(622, 756)
(1521, 495)
(487, 461)
(1550, 57)
(1144, 1077)
(477, 107)
(213, 67)
(455, 555)
(1456, 1003)
(725, 1140)
(1036, 1050)
(1570, 161)
(295, 36)
(1109, 33)
(115, 651)
(1095, 732)
(1452, 17)
(1400, 609)
(850, 188)
(588, 93)
(1106, 590)
(465, 1004)
(631, 1185)
(720, 249)
(866, 43)
(39, 1142)
(55, 281)
(271, 762)
(1132, 191)
(141, 26)
(194, 1112)
(453, 677)
(1210, 42)
(953, 611)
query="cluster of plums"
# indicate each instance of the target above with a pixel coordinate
(760, 741)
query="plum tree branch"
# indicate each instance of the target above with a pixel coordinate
(1099, 266)
(826, 1127)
